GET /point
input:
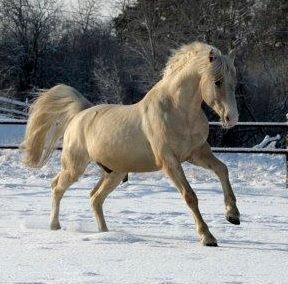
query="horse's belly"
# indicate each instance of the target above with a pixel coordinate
(123, 149)
(134, 163)
(122, 159)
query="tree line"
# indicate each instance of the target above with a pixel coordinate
(117, 61)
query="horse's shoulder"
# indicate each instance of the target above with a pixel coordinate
(165, 104)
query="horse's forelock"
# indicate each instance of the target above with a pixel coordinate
(221, 67)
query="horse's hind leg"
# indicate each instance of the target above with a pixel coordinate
(70, 172)
(96, 187)
(107, 183)
(204, 157)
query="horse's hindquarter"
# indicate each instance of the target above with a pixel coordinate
(114, 138)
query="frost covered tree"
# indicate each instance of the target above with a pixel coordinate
(27, 27)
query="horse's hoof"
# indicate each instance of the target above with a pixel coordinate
(213, 244)
(233, 220)
(209, 241)
(103, 230)
(55, 227)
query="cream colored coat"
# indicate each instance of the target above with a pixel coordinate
(164, 129)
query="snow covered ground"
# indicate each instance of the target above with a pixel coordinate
(152, 236)
(11, 134)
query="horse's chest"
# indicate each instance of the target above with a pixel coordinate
(190, 139)
(199, 137)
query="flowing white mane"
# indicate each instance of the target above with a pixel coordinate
(198, 53)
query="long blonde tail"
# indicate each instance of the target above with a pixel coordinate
(49, 116)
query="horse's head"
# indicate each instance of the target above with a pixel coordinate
(217, 86)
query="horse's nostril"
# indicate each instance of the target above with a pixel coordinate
(227, 118)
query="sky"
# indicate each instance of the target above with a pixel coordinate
(108, 8)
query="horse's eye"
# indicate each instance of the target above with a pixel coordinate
(218, 83)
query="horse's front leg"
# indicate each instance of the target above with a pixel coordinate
(173, 169)
(204, 157)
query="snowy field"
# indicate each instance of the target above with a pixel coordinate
(11, 134)
(152, 235)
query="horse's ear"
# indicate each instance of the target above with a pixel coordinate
(232, 54)
(212, 55)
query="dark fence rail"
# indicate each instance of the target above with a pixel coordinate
(255, 123)
(212, 123)
(13, 121)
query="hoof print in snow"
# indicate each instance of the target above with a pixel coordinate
(92, 274)
(86, 239)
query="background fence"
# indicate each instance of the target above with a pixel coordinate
(282, 125)
(13, 108)
(252, 150)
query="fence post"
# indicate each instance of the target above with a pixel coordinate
(286, 167)
(286, 155)
(27, 106)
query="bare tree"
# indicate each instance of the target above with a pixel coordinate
(108, 81)
(140, 35)
(26, 26)
(85, 15)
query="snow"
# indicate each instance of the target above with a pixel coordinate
(268, 142)
(152, 237)
(11, 134)
(107, 9)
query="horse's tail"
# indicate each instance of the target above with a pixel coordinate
(49, 116)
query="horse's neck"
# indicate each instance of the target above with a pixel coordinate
(185, 94)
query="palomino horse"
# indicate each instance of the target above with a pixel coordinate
(164, 129)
